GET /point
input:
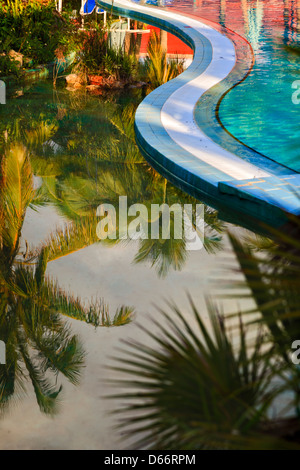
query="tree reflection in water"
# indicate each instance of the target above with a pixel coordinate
(66, 153)
(87, 157)
(39, 343)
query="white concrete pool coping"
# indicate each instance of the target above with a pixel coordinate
(177, 112)
(174, 144)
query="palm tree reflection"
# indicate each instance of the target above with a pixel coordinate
(100, 165)
(39, 344)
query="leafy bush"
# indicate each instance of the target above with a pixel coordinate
(8, 66)
(233, 384)
(97, 56)
(34, 30)
(158, 69)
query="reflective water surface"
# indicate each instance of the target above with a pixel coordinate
(63, 154)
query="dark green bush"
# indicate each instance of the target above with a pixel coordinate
(8, 66)
(34, 30)
(97, 56)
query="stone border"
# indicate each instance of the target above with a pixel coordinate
(172, 142)
(41, 71)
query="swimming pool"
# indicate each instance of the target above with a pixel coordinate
(82, 152)
(179, 127)
(260, 111)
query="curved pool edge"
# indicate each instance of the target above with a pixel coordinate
(174, 149)
(207, 114)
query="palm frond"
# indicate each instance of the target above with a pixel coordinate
(95, 313)
(193, 382)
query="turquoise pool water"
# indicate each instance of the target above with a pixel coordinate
(260, 111)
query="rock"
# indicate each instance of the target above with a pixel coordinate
(77, 85)
(72, 78)
(17, 56)
(92, 87)
(18, 93)
(27, 62)
(95, 80)
(75, 81)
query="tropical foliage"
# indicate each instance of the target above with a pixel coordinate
(108, 164)
(200, 386)
(39, 342)
(159, 69)
(34, 29)
(97, 56)
(9, 66)
(232, 385)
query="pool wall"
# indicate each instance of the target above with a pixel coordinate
(171, 140)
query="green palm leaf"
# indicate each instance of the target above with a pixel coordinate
(193, 389)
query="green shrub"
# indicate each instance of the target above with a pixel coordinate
(158, 69)
(34, 30)
(97, 56)
(9, 66)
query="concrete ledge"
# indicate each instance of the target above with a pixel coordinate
(41, 71)
(167, 132)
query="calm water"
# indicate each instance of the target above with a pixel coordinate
(260, 111)
(81, 151)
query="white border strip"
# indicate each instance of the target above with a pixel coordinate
(177, 113)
